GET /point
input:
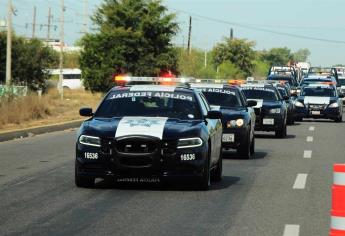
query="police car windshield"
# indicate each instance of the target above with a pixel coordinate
(149, 103)
(260, 93)
(282, 91)
(318, 92)
(223, 99)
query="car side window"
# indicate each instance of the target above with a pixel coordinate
(243, 98)
(204, 104)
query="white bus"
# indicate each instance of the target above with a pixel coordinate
(71, 78)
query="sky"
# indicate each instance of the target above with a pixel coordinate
(318, 25)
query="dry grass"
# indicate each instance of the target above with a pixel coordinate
(32, 110)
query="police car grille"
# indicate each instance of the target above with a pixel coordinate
(136, 146)
(136, 161)
(316, 107)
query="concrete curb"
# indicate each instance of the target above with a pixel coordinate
(22, 133)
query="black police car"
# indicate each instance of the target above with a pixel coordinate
(319, 101)
(271, 111)
(238, 116)
(285, 92)
(150, 133)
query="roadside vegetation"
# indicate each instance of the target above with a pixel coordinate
(32, 110)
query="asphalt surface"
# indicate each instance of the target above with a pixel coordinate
(283, 190)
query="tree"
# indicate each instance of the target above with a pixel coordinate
(134, 36)
(30, 59)
(238, 52)
(301, 55)
(277, 56)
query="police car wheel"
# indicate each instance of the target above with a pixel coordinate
(281, 133)
(83, 182)
(244, 149)
(205, 181)
(339, 119)
(216, 174)
(252, 146)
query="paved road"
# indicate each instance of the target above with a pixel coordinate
(284, 190)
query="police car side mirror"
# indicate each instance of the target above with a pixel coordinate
(251, 103)
(286, 98)
(214, 114)
(85, 111)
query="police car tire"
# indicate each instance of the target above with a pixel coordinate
(216, 173)
(252, 146)
(291, 121)
(281, 133)
(83, 182)
(244, 149)
(339, 119)
(205, 180)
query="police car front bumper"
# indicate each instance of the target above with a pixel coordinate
(269, 122)
(320, 113)
(162, 163)
(234, 137)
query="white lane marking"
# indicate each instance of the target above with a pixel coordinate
(307, 153)
(24, 181)
(291, 230)
(311, 128)
(310, 139)
(300, 181)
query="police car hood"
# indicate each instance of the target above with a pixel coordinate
(317, 100)
(266, 104)
(233, 113)
(159, 127)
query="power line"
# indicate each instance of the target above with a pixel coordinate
(246, 26)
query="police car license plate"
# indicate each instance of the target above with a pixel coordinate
(228, 138)
(268, 121)
(315, 112)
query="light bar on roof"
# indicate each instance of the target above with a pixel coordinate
(151, 79)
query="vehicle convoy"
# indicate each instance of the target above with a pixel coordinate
(271, 109)
(238, 116)
(319, 101)
(150, 133)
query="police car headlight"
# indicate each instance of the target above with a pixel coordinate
(189, 143)
(275, 111)
(90, 140)
(293, 91)
(334, 105)
(299, 104)
(235, 123)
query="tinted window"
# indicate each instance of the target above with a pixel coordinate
(318, 92)
(223, 100)
(282, 91)
(266, 95)
(342, 82)
(153, 104)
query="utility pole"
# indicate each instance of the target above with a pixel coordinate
(60, 87)
(190, 35)
(9, 44)
(231, 34)
(85, 16)
(34, 23)
(49, 23)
